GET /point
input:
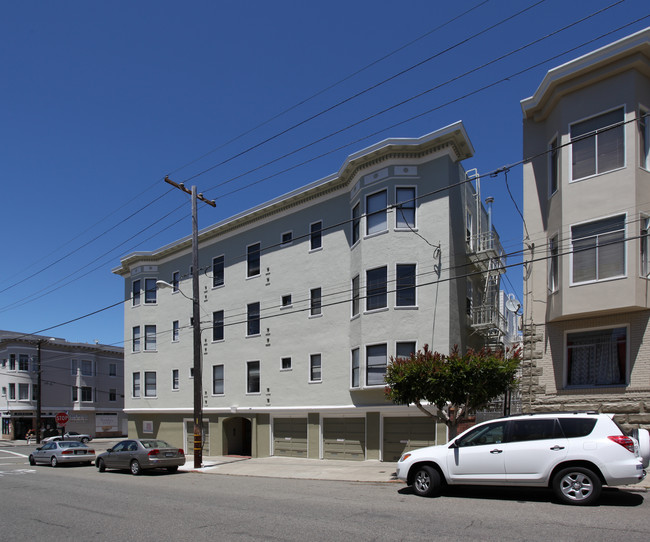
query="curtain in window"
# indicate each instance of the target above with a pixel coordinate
(597, 358)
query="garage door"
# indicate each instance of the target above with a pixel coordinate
(344, 438)
(404, 434)
(290, 437)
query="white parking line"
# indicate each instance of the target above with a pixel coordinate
(13, 453)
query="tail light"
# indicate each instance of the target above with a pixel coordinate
(624, 441)
(180, 451)
(155, 451)
(67, 452)
(90, 451)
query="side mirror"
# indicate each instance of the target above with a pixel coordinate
(109, 450)
(454, 445)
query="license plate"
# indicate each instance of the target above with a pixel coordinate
(79, 452)
(169, 454)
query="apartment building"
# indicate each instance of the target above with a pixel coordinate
(86, 381)
(587, 211)
(304, 300)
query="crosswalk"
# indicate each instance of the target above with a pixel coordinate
(13, 463)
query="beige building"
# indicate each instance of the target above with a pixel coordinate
(305, 298)
(587, 215)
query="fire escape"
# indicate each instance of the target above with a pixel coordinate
(487, 257)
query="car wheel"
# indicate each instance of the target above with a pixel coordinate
(31, 460)
(172, 469)
(426, 482)
(101, 466)
(54, 462)
(135, 467)
(577, 485)
(84, 440)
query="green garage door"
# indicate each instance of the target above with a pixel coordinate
(344, 438)
(290, 437)
(404, 434)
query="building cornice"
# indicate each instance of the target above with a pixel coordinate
(451, 139)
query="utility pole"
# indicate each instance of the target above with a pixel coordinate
(39, 394)
(196, 323)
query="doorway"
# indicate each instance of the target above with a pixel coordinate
(237, 436)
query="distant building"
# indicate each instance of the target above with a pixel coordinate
(84, 380)
(304, 299)
(587, 208)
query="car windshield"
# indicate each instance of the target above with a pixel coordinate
(155, 444)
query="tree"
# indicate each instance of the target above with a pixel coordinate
(456, 385)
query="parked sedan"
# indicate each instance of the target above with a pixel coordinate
(71, 435)
(139, 454)
(56, 453)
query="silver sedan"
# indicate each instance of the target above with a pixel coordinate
(56, 453)
(137, 455)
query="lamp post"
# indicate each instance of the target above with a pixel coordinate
(196, 324)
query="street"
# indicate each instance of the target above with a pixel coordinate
(80, 503)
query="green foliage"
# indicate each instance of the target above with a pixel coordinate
(462, 383)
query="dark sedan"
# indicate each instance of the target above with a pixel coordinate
(137, 455)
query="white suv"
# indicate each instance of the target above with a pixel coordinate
(574, 453)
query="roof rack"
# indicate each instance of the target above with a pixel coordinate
(553, 412)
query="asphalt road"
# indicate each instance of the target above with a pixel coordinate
(79, 503)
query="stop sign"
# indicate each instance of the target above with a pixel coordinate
(61, 418)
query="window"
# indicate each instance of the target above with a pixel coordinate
(315, 302)
(12, 362)
(253, 319)
(355, 369)
(253, 377)
(150, 290)
(598, 250)
(217, 326)
(149, 338)
(405, 349)
(597, 357)
(376, 288)
(483, 435)
(534, 429)
(376, 213)
(112, 369)
(75, 394)
(176, 277)
(23, 392)
(73, 367)
(176, 330)
(287, 237)
(4, 391)
(86, 394)
(469, 230)
(375, 365)
(12, 391)
(405, 290)
(23, 362)
(112, 395)
(554, 265)
(218, 278)
(553, 167)
(217, 380)
(356, 222)
(286, 300)
(355, 295)
(135, 341)
(316, 236)
(136, 385)
(315, 369)
(286, 364)
(405, 211)
(253, 268)
(86, 367)
(577, 427)
(150, 384)
(645, 247)
(135, 292)
(597, 145)
(176, 385)
(644, 138)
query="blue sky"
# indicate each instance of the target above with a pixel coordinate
(101, 100)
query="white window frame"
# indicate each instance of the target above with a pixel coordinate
(249, 319)
(176, 282)
(136, 339)
(415, 286)
(176, 379)
(176, 331)
(250, 275)
(284, 243)
(382, 211)
(355, 223)
(223, 380)
(23, 391)
(367, 365)
(221, 262)
(554, 154)
(409, 202)
(595, 134)
(644, 138)
(626, 378)
(150, 345)
(644, 246)
(356, 349)
(370, 296)
(312, 237)
(222, 326)
(624, 243)
(136, 295)
(259, 377)
(154, 290)
(316, 302)
(554, 263)
(311, 368)
(136, 385)
(355, 302)
(282, 367)
(412, 341)
(147, 385)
